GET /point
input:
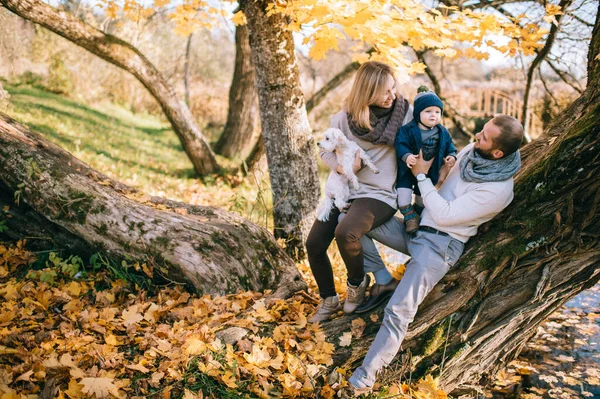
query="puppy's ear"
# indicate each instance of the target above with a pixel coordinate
(338, 134)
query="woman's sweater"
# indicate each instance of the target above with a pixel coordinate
(379, 186)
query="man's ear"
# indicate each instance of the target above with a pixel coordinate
(497, 154)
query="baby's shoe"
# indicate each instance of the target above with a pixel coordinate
(411, 219)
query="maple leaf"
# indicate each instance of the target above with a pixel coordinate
(358, 326)
(346, 339)
(194, 346)
(101, 387)
(74, 389)
(131, 316)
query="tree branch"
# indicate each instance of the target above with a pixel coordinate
(333, 83)
(450, 111)
(563, 76)
(541, 55)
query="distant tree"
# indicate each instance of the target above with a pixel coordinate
(124, 55)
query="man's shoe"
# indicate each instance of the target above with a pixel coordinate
(378, 295)
(328, 307)
(412, 224)
(356, 392)
(355, 296)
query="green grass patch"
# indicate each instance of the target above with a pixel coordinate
(137, 149)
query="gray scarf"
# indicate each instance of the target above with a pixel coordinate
(475, 168)
(385, 123)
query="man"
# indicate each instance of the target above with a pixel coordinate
(478, 188)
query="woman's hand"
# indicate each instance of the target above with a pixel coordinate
(411, 160)
(356, 165)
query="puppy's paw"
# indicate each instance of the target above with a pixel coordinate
(375, 170)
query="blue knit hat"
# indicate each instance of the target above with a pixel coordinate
(426, 99)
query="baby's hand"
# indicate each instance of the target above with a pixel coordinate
(411, 160)
(450, 161)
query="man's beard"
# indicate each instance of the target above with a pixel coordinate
(487, 154)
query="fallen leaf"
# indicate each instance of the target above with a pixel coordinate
(346, 339)
(100, 387)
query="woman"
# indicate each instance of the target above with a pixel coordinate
(372, 115)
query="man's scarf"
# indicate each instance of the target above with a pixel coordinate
(475, 168)
(385, 123)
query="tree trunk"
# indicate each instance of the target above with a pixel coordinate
(187, 68)
(65, 200)
(241, 131)
(521, 267)
(256, 158)
(289, 144)
(541, 55)
(124, 55)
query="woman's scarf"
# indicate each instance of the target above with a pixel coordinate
(385, 123)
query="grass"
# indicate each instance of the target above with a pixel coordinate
(139, 150)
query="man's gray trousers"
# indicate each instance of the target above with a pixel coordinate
(432, 255)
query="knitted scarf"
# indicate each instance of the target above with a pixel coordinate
(475, 168)
(385, 123)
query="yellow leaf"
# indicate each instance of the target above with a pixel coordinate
(229, 379)
(25, 376)
(150, 314)
(137, 367)
(239, 18)
(358, 326)
(131, 316)
(100, 387)
(194, 346)
(346, 339)
(74, 288)
(74, 390)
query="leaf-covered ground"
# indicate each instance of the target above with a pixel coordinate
(72, 331)
(563, 359)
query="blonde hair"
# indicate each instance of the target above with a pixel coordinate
(369, 86)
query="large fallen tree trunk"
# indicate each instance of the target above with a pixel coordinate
(124, 55)
(521, 267)
(66, 201)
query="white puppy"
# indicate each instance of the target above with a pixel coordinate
(337, 188)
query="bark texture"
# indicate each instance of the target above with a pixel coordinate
(241, 130)
(286, 132)
(522, 266)
(65, 200)
(124, 55)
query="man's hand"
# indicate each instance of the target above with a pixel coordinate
(421, 166)
(450, 161)
(444, 170)
(411, 160)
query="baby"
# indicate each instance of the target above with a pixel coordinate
(423, 133)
